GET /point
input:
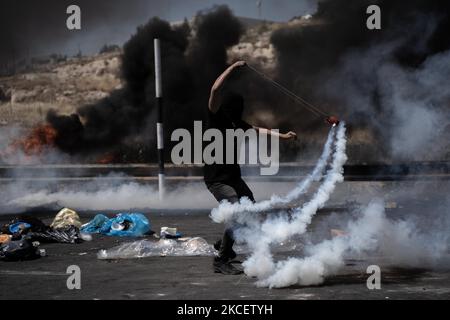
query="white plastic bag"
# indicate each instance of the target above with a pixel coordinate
(164, 247)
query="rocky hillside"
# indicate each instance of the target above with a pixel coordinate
(25, 98)
(255, 44)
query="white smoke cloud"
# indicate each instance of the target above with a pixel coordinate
(408, 107)
(226, 211)
(398, 242)
(101, 194)
(420, 101)
(327, 257)
(260, 235)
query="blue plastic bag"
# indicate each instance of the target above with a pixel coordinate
(16, 227)
(95, 225)
(123, 225)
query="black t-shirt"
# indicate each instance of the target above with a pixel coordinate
(221, 120)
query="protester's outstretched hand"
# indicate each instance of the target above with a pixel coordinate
(289, 136)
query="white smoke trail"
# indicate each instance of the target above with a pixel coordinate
(226, 211)
(260, 235)
(328, 256)
(280, 228)
(398, 242)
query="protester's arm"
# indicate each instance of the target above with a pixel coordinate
(287, 136)
(214, 97)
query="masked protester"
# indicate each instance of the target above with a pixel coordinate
(224, 181)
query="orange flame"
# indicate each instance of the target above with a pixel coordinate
(40, 138)
(106, 159)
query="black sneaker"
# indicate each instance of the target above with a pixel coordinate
(231, 254)
(225, 267)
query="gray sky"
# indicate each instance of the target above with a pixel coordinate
(31, 28)
(278, 10)
(176, 10)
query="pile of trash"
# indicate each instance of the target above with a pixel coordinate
(20, 238)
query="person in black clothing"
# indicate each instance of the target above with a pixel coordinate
(224, 181)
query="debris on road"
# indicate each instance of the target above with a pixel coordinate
(164, 247)
(66, 217)
(35, 230)
(4, 238)
(69, 234)
(123, 225)
(169, 233)
(21, 249)
(18, 227)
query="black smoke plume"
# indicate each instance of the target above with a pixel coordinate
(375, 79)
(191, 61)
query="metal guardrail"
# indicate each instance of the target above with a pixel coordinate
(287, 172)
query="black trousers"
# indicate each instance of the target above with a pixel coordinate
(231, 190)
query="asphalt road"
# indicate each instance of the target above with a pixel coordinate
(192, 277)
